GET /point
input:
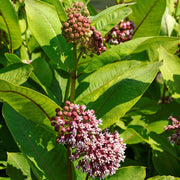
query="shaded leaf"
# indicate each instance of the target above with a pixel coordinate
(47, 158)
(163, 178)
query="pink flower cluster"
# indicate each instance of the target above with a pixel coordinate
(175, 137)
(100, 152)
(121, 32)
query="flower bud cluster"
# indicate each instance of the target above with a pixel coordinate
(100, 152)
(121, 32)
(95, 44)
(74, 124)
(3, 39)
(178, 51)
(175, 3)
(175, 137)
(77, 29)
(76, 8)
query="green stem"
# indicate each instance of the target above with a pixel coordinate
(67, 89)
(73, 84)
(70, 176)
(72, 80)
(164, 92)
(176, 9)
(87, 176)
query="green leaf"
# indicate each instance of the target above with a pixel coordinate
(12, 58)
(115, 88)
(43, 71)
(129, 137)
(157, 126)
(147, 17)
(123, 50)
(25, 101)
(129, 173)
(107, 19)
(60, 10)
(144, 106)
(46, 28)
(18, 167)
(16, 73)
(47, 159)
(171, 72)
(11, 23)
(163, 178)
(171, 166)
(167, 24)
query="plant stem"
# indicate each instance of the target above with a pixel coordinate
(70, 176)
(72, 81)
(164, 92)
(87, 176)
(67, 89)
(73, 85)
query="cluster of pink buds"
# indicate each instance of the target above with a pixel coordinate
(73, 124)
(77, 29)
(3, 39)
(175, 137)
(14, 1)
(100, 152)
(178, 51)
(95, 44)
(76, 8)
(121, 32)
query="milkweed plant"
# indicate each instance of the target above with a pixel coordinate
(89, 93)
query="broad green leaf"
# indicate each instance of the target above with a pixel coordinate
(115, 88)
(129, 173)
(12, 58)
(129, 137)
(167, 24)
(18, 166)
(171, 165)
(144, 106)
(10, 19)
(16, 73)
(60, 10)
(134, 46)
(107, 19)
(42, 71)
(46, 28)
(171, 72)
(163, 178)
(47, 159)
(157, 126)
(147, 16)
(25, 101)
